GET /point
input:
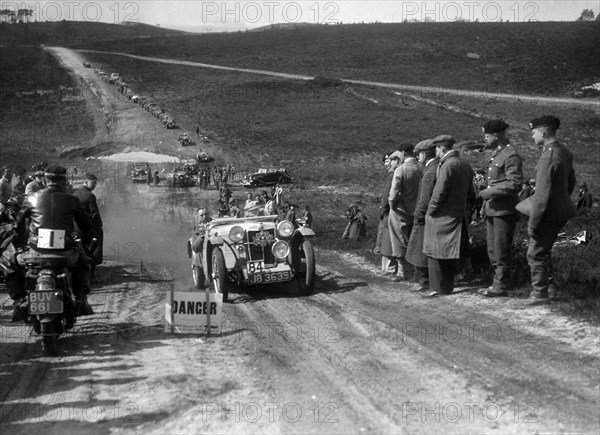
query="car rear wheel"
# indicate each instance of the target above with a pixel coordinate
(219, 273)
(306, 275)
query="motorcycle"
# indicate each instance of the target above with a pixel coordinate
(51, 303)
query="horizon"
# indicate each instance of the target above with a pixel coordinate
(232, 16)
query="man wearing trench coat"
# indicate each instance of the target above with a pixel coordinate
(445, 214)
(402, 200)
(425, 151)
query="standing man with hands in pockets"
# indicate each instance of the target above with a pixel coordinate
(504, 178)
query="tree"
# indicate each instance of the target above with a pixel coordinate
(586, 15)
(8, 15)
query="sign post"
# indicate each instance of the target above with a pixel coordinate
(193, 312)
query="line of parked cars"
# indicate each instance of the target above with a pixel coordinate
(150, 106)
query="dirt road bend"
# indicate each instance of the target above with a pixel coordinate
(471, 93)
(360, 355)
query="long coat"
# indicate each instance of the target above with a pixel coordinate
(386, 243)
(554, 184)
(403, 199)
(448, 207)
(414, 251)
(88, 201)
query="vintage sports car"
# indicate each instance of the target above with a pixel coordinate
(253, 251)
(267, 177)
(184, 140)
(139, 172)
(180, 178)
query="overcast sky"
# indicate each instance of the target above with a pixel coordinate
(212, 16)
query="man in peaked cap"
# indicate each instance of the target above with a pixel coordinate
(551, 207)
(446, 212)
(425, 152)
(504, 177)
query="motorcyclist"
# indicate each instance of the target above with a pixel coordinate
(50, 213)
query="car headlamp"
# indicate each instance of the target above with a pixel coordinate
(280, 249)
(236, 234)
(285, 229)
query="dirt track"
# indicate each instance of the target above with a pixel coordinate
(361, 355)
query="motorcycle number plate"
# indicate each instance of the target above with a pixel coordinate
(45, 302)
(51, 239)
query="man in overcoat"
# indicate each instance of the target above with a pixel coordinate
(551, 207)
(402, 201)
(88, 201)
(383, 244)
(425, 151)
(504, 177)
(445, 214)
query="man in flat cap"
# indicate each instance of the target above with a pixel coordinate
(88, 201)
(37, 183)
(425, 151)
(53, 208)
(402, 200)
(551, 207)
(445, 216)
(504, 177)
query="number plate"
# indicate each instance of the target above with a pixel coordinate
(265, 278)
(45, 302)
(51, 239)
(255, 267)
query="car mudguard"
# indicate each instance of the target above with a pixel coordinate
(305, 232)
(216, 240)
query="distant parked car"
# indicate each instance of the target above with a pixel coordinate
(180, 177)
(139, 172)
(267, 177)
(114, 77)
(87, 64)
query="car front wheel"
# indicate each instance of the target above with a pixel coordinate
(219, 273)
(306, 275)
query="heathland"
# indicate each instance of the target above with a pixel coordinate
(332, 136)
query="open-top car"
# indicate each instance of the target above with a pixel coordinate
(139, 172)
(253, 251)
(267, 177)
(180, 177)
(184, 140)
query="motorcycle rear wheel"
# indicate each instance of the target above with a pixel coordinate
(49, 339)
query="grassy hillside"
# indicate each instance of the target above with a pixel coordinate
(50, 116)
(542, 58)
(69, 32)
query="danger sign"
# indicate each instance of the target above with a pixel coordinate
(193, 312)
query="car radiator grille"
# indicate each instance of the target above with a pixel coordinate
(257, 252)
